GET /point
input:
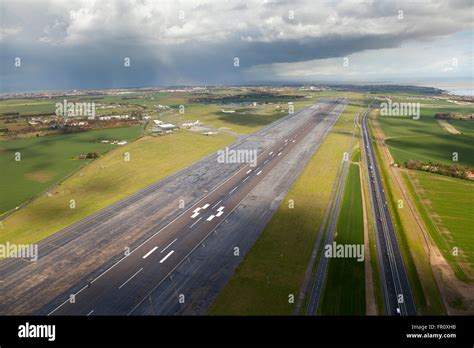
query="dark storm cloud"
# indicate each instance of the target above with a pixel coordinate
(82, 44)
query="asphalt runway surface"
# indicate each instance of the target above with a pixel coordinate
(120, 286)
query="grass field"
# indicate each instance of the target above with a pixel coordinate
(426, 140)
(344, 290)
(446, 205)
(275, 266)
(107, 180)
(46, 160)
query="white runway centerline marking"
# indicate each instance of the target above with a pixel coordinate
(265, 162)
(205, 206)
(248, 171)
(259, 172)
(92, 311)
(166, 247)
(149, 253)
(215, 205)
(245, 179)
(167, 255)
(195, 222)
(211, 217)
(141, 269)
(235, 188)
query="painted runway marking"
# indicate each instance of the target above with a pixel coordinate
(211, 217)
(220, 213)
(221, 208)
(271, 153)
(235, 188)
(141, 269)
(168, 255)
(286, 140)
(92, 311)
(215, 205)
(196, 210)
(149, 253)
(293, 141)
(194, 215)
(248, 171)
(245, 179)
(266, 161)
(259, 172)
(166, 247)
(205, 206)
(195, 222)
(279, 154)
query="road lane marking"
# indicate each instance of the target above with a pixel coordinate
(245, 179)
(211, 217)
(220, 213)
(141, 269)
(194, 215)
(195, 222)
(235, 188)
(168, 255)
(259, 172)
(92, 311)
(166, 247)
(279, 153)
(149, 253)
(248, 171)
(215, 205)
(205, 206)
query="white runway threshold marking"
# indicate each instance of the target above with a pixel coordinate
(205, 206)
(211, 217)
(167, 255)
(149, 253)
(195, 222)
(221, 208)
(194, 215)
(166, 247)
(141, 269)
(219, 213)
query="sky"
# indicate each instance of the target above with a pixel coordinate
(86, 44)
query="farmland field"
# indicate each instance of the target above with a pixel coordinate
(46, 160)
(426, 140)
(445, 204)
(344, 290)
